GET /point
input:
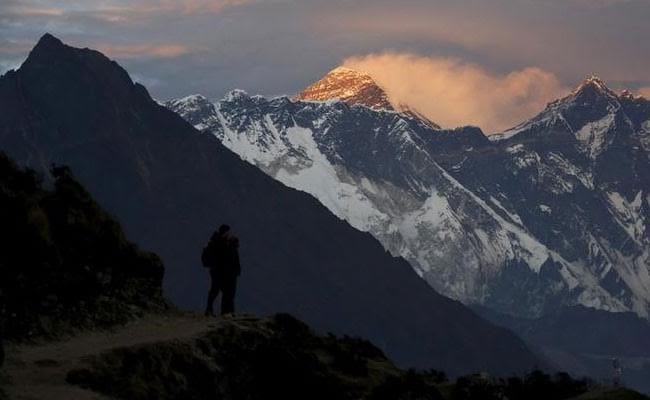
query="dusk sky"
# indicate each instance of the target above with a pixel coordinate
(490, 63)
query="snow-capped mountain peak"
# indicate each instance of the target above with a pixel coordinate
(350, 86)
(588, 113)
(197, 107)
(193, 101)
(592, 92)
(236, 94)
(593, 82)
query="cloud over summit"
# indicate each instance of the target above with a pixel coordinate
(453, 93)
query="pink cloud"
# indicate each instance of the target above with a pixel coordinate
(200, 6)
(453, 93)
(169, 50)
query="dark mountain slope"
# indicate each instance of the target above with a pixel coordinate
(584, 341)
(170, 186)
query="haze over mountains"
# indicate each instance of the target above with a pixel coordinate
(170, 186)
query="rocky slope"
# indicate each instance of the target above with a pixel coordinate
(170, 186)
(552, 215)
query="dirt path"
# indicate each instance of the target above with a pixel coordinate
(38, 371)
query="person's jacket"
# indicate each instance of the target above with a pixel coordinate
(226, 255)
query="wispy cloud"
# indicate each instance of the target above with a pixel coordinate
(644, 91)
(454, 93)
(12, 48)
(31, 11)
(116, 10)
(168, 50)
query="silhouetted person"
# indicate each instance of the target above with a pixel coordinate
(221, 256)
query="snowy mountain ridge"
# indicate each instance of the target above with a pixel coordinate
(483, 221)
(593, 134)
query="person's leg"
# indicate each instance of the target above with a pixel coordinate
(212, 293)
(228, 296)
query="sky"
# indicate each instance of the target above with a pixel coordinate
(490, 63)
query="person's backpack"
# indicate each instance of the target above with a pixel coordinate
(208, 256)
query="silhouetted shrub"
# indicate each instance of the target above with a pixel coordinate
(350, 355)
(477, 387)
(408, 386)
(538, 385)
(65, 262)
(435, 376)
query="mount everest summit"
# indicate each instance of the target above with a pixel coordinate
(350, 86)
(552, 212)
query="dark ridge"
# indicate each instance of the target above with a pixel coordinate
(48, 49)
(47, 42)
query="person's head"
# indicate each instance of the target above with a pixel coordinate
(223, 229)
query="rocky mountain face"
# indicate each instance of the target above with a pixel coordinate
(580, 166)
(548, 214)
(171, 185)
